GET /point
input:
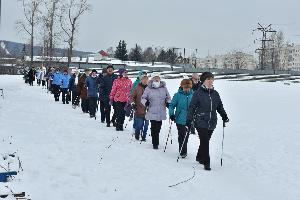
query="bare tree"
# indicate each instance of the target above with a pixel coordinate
(239, 60)
(149, 55)
(70, 14)
(50, 35)
(28, 25)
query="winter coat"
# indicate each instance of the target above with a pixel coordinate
(81, 87)
(120, 90)
(203, 107)
(106, 84)
(181, 101)
(43, 75)
(73, 83)
(65, 81)
(38, 75)
(31, 75)
(157, 98)
(136, 98)
(92, 86)
(56, 78)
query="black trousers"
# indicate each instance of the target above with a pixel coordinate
(43, 82)
(92, 105)
(75, 98)
(64, 94)
(155, 129)
(120, 112)
(203, 151)
(85, 105)
(107, 109)
(38, 81)
(56, 91)
(102, 111)
(182, 133)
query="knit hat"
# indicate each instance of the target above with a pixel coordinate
(141, 74)
(104, 70)
(110, 66)
(206, 75)
(155, 74)
(94, 71)
(186, 83)
(121, 71)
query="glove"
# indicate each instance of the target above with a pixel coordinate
(225, 119)
(188, 124)
(167, 104)
(133, 105)
(172, 117)
(147, 103)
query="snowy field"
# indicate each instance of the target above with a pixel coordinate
(67, 155)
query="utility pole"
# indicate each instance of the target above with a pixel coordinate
(0, 12)
(264, 39)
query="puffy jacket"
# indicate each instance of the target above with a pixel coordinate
(180, 101)
(92, 86)
(157, 98)
(106, 84)
(56, 78)
(135, 84)
(65, 81)
(203, 107)
(81, 87)
(136, 97)
(120, 90)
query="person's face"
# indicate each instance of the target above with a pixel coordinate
(186, 89)
(209, 83)
(156, 79)
(144, 81)
(195, 79)
(110, 71)
(125, 74)
(94, 74)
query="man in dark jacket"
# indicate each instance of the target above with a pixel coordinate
(102, 105)
(82, 91)
(203, 109)
(91, 83)
(105, 89)
(31, 76)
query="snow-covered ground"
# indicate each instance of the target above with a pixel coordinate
(67, 155)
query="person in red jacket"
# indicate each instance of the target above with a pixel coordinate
(119, 96)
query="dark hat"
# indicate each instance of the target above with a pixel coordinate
(121, 71)
(104, 70)
(110, 66)
(65, 70)
(94, 71)
(206, 75)
(186, 83)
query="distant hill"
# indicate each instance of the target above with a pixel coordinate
(15, 49)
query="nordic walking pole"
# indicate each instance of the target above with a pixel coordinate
(168, 136)
(171, 137)
(187, 132)
(224, 125)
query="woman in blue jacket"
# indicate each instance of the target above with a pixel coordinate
(65, 79)
(181, 101)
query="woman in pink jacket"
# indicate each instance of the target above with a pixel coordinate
(119, 96)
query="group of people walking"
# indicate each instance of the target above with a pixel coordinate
(193, 107)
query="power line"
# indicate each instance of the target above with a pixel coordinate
(265, 31)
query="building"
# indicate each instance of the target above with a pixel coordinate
(101, 55)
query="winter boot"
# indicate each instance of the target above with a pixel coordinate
(155, 146)
(207, 167)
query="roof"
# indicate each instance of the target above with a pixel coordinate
(103, 53)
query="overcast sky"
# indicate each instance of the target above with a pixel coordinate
(214, 26)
